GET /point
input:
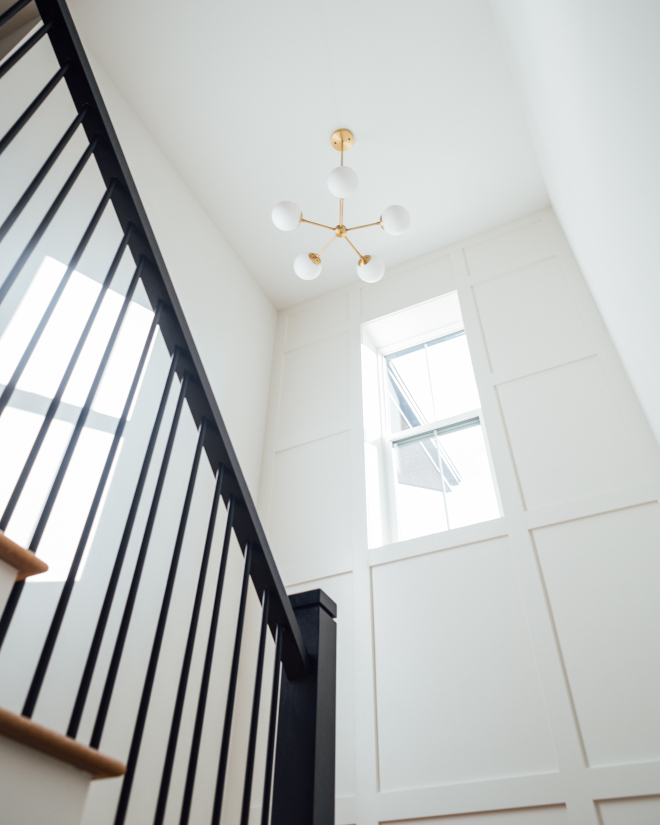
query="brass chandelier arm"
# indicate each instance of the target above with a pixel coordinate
(304, 220)
(332, 240)
(359, 256)
(364, 226)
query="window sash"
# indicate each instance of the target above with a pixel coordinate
(467, 418)
(440, 340)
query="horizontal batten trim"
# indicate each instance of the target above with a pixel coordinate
(437, 542)
(470, 797)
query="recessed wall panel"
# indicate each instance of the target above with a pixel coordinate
(543, 815)
(508, 251)
(314, 396)
(602, 576)
(568, 437)
(310, 514)
(639, 810)
(340, 590)
(320, 318)
(530, 320)
(458, 695)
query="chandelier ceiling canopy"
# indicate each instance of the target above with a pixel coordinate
(342, 183)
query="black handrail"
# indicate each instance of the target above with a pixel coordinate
(130, 211)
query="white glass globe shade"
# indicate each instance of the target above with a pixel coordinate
(372, 271)
(396, 219)
(342, 182)
(305, 268)
(286, 215)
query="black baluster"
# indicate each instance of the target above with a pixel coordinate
(102, 621)
(41, 174)
(45, 223)
(25, 48)
(272, 727)
(141, 720)
(58, 617)
(206, 674)
(256, 701)
(187, 658)
(137, 573)
(231, 694)
(32, 108)
(6, 16)
(17, 589)
(54, 404)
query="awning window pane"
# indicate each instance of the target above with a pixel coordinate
(452, 378)
(411, 400)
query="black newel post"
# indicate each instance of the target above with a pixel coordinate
(304, 787)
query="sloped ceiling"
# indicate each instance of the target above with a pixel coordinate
(589, 71)
(243, 97)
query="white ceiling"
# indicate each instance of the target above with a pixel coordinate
(243, 97)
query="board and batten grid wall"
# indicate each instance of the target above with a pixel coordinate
(505, 673)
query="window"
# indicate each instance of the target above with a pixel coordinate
(433, 463)
(21, 420)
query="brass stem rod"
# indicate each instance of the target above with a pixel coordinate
(359, 256)
(304, 220)
(341, 211)
(332, 240)
(364, 226)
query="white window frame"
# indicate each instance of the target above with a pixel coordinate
(389, 438)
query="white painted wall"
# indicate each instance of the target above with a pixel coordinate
(39, 788)
(589, 73)
(504, 672)
(232, 321)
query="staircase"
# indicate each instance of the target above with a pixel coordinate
(157, 649)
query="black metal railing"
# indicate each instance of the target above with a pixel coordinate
(299, 767)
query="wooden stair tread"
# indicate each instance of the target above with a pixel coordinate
(29, 733)
(25, 562)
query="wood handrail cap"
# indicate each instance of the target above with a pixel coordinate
(25, 562)
(32, 735)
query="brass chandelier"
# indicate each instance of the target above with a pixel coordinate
(342, 183)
